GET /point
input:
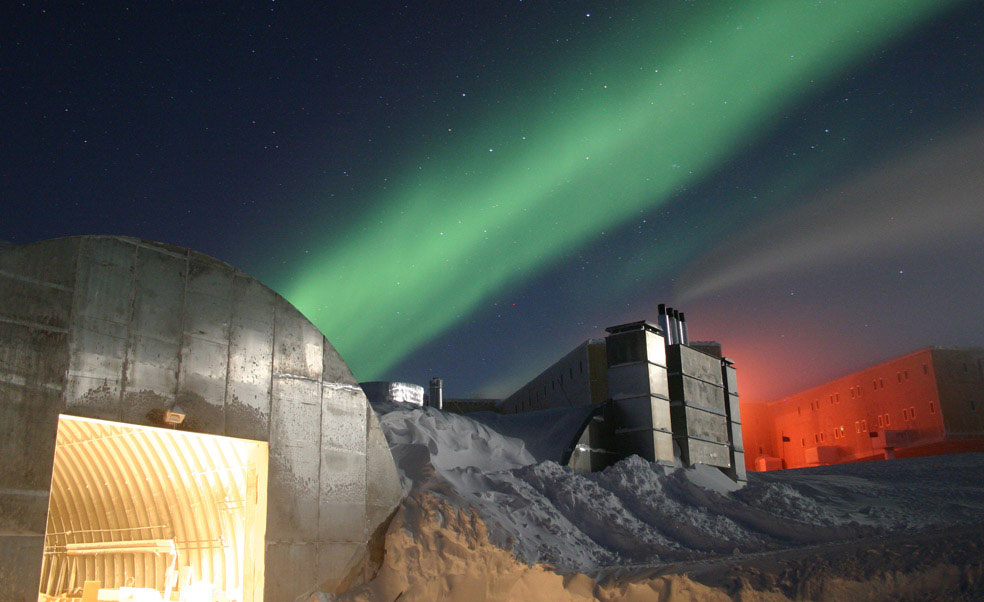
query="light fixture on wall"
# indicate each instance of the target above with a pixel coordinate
(174, 416)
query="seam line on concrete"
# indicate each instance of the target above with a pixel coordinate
(342, 387)
(152, 248)
(34, 325)
(20, 278)
(20, 381)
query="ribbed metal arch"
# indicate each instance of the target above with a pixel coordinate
(116, 484)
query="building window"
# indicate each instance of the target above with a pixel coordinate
(905, 414)
(859, 390)
(821, 436)
(973, 406)
(803, 442)
(837, 397)
(580, 366)
(799, 411)
(864, 425)
(842, 431)
(925, 369)
(852, 392)
(898, 376)
(881, 383)
(888, 421)
(912, 412)
(816, 437)
(881, 420)
(831, 400)
(874, 385)
(905, 374)
(932, 408)
(857, 426)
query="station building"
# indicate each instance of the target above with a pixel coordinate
(643, 390)
(925, 403)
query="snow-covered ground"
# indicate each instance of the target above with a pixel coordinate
(634, 516)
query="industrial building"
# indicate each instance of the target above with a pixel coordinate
(924, 403)
(393, 392)
(643, 390)
(172, 428)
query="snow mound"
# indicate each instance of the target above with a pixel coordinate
(638, 513)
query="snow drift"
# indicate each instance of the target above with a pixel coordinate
(485, 520)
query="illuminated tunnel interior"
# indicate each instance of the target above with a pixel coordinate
(154, 514)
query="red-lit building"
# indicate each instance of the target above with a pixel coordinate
(924, 403)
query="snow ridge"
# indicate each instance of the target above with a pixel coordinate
(638, 513)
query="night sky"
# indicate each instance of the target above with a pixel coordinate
(470, 189)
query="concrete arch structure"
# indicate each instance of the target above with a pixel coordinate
(123, 330)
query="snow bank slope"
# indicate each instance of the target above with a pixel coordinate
(636, 513)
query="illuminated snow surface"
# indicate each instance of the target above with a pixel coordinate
(639, 514)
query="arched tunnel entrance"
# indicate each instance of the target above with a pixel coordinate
(144, 513)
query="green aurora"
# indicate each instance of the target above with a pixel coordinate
(651, 110)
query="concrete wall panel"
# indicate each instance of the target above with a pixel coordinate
(56, 266)
(734, 432)
(730, 379)
(154, 344)
(203, 377)
(697, 364)
(334, 369)
(299, 347)
(734, 408)
(642, 412)
(295, 425)
(697, 393)
(695, 422)
(383, 487)
(250, 377)
(31, 302)
(638, 378)
(696, 451)
(31, 386)
(100, 327)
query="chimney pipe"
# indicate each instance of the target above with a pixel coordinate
(684, 335)
(671, 330)
(662, 321)
(436, 398)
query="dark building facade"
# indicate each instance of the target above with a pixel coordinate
(666, 402)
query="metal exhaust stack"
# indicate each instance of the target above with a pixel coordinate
(671, 327)
(436, 399)
(662, 320)
(684, 335)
